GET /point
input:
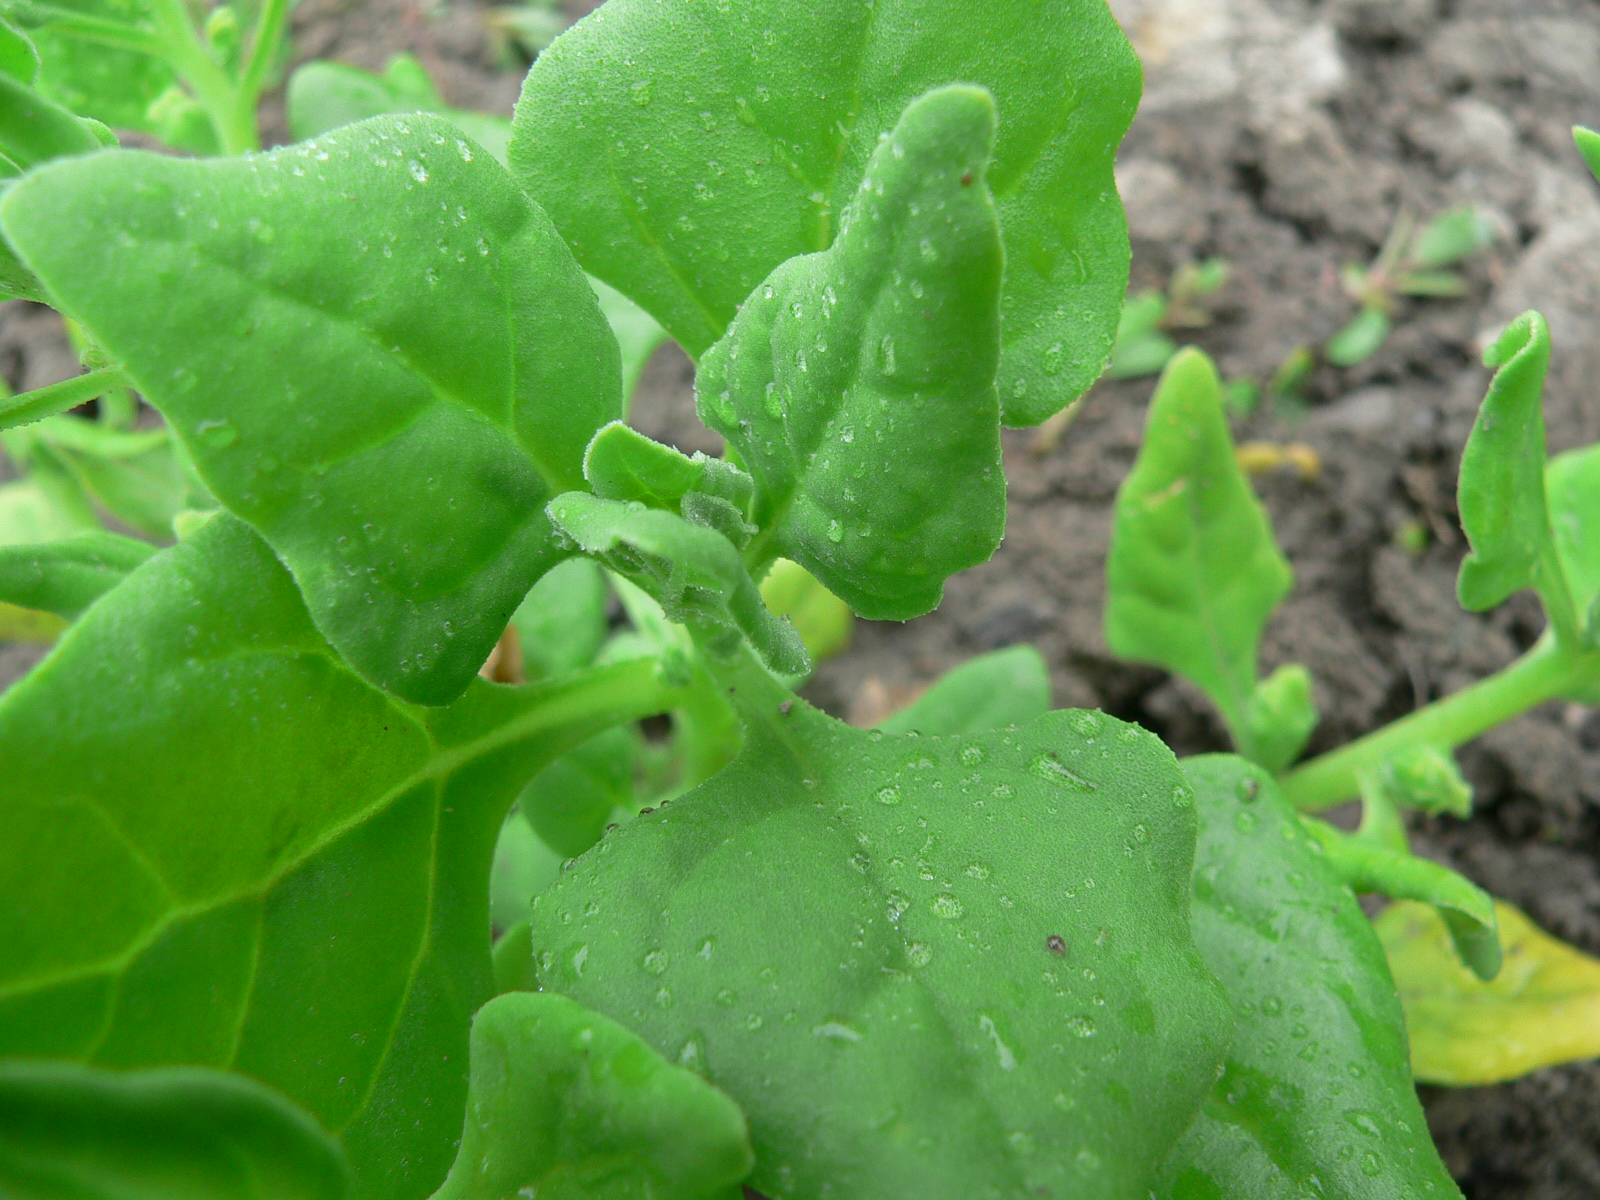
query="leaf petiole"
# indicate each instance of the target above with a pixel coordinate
(57, 398)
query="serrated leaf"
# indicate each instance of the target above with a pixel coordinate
(1316, 1095)
(568, 1105)
(1542, 1009)
(1281, 716)
(730, 140)
(823, 621)
(1193, 572)
(400, 312)
(66, 576)
(693, 572)
(1366, 866)
(993, 691)
(1501, 494)
(884, 344)
(180, 1133)
(306, 901)
(963, 966)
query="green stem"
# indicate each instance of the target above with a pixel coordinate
(263, 48)
(1547, 671)
(59, 397)
(230, 107)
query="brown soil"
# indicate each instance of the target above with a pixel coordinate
(1283, 135)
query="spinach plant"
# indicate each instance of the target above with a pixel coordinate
(255, 799)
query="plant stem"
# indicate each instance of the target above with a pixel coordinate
(230, 106)
(1544, 673)
(263, 48)
(59, 397)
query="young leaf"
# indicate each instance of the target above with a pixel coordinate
(1316, 1096)
(694, 573)
(562, 621)
(1451, 237)
(569, 1105)
(822, 620)
(1542, 1009)
(1365, 865)
(1281, 716)
(923, 966)
(993, 691)
(1502, 491)
(65, 577)
(857, 384)
(1193, 572)
(731, 139)
(1428, 778)
(108, 82)
(621, 464)
(306, 901)
(570, 801)
(379, 305)
(1572, 491)
(1588, 143)
(1360, 339)
(178, 1133)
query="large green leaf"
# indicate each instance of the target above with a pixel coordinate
(1501, 494)
(69, 1132)
(108, 83)
(1193, 572)
(922, 966)
(66, 576)
(567, 1105)
(686, 149)
(857, 383)
(992, 691)
(259, 861)
(1316, 1097)
(376, 350)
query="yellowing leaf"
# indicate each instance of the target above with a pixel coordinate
(1542, 1008)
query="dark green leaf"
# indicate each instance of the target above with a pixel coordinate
(1193, 572)
(1360, 339)
(570, 802)
(1365, 866)
(694, 573)
(923, 966)
(857, 384)
(993, 691)
(562, 622)
(69, 1132)
(66, 576)
(1281, 716)
(567, 1105)
(306, 901)
(1501, 493)
(687, 150)
(1316, 1097)
(380, 305)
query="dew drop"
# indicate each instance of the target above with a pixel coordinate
(656, 962)
(920, 954)
(971, 756)
(218, 433)
(835, 532)
(946, 907)
(889, 795)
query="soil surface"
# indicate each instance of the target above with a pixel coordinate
(1284, 136)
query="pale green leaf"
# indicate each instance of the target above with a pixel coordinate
(66, 576)
(993, 691)
(562, 621)
(857, 384)
(380, 305)
(823, 621)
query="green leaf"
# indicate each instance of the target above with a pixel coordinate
(1316, 1096)
(65, 577)
(923, 966)
(34, 130)
(1360, 339)
(28, 513)
(880, 352)
(1588, 143)
(1366, 866)
(523, 867)
(305, 902)
(694, 573)
(1139, 356)
(1281, 716)
(823, 621)
(1542, 1009)
(621, 464)
(1501, 494)
(323, 96)
(1193, 572)
(562, 620)
(381, 304)
(68, 1131)
(19, 57)
(1430, 283)
(1572, 492)
(513, 961)
(110, 83)
(637, 333)
(138, 477)
(1425, 777)
(568, 1105)
(569, 803)
(993, 691)
(1451, 237)
(685, 152)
